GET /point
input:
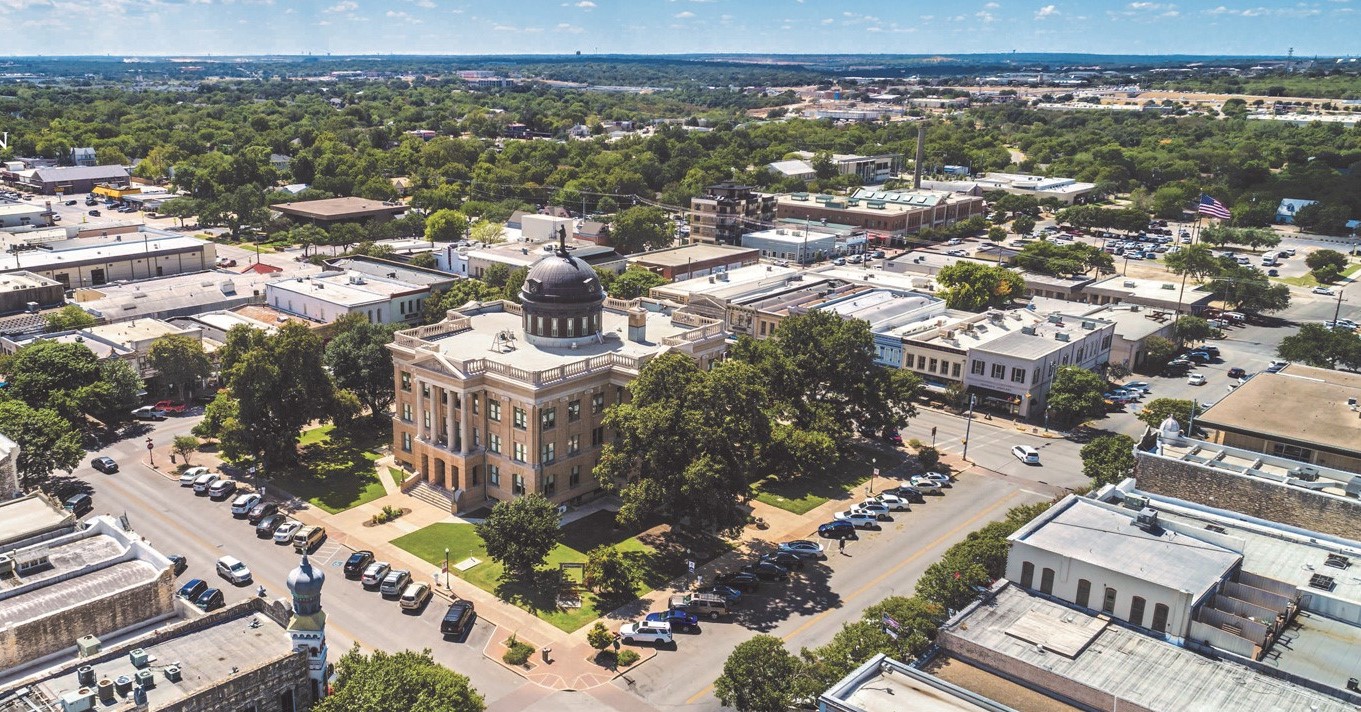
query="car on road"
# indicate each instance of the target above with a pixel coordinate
(783, 559)
(284, 534)
(221, 489)
(243, 503)
(415, 596)
(727, 593)
(646, 632)
(954, 241)
(458, 619)
(1118, 397)
(233, 569)
(743, 581)
(1141, 386)
(373, 576)
(265, 528)
(859, 520)
(192, 589)
(1326, 291)
(837, 530)
(677, 618)
(95, 213)
(147, 412)
(170, 406)
(261, 510)
(188, 477)
(355, 565)
(1276, 366)
(204, 481)
(79, 504)
(1196, 379)
(840, 261)
(1273, 273)
(1026, 454)
(1237, 372)
(804, 548)
(893, 437)
(894, 502)
(210, 600)
(104, 464)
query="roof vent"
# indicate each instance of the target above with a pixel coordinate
(1028, 330)
(1147, 520)
(1129, 283)
(1062, 336)
(1338, 561)
(1321, 582)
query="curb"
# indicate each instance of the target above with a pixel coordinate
(517, 670)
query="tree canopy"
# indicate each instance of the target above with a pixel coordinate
(1317, 345)
(360, 361)
(1076, 394)
(520, 532)
(1108, 459)
(972, 286)
(382, 681)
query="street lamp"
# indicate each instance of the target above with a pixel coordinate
(968, 425)
(874, 472)
(448, 586)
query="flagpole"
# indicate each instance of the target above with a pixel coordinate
(1195, 230)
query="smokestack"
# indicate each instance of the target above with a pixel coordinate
(921, 157)
(638, 325)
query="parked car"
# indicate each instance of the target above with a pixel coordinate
(232, 569)
(284, 534)
(265, 527)
(677, 618)
(188, 477)
(210, 600)
(94, 213)
(859, 520)
(458, 619)
(170, 406)
(260, 511)
(1326, 291)
(727, 593)
(804, 548)
(1237, 372)
(1276, 366)
(415, 596)
(104, 464)
(743, 581)
(1200, 356)
(875, 507)
(192, 589)
(204, 481)
(907, 492)
(221, 489)
(357, 563)
(79, 504)
(893, 437)
(178, 563)
(1141, 386)
(783, 559)
(1026, 454)
(838, 530)
(939, 478)
(893, 501)
(646, 632)
(308, 538)
(147, 412)
(242, 505)
(373, 576)
(926, 485)
(1196, 379)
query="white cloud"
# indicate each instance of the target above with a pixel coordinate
(568, 27)
(985, 16)
(504, 28)
(585, 5)
(684, 15)
(1046, 11)
(991, 6)
(344, 6)
(827, 21)
(427, 4)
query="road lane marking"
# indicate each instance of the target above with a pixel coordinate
(853, 595)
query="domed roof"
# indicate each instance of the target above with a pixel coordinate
(561, 279)
(305, 581)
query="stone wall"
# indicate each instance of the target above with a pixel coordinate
(1253, 496)
(259, 689)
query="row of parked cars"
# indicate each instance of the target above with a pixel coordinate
(869, 513)
(411, 595)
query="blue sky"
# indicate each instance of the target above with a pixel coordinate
(676, 26)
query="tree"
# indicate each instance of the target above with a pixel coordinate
(633, 283)
(520, 532)
(756, 676)
(1059, 259)
(1158, 351)
(118, 390)
(1326, 265)
(1108, 459)
(599, 637)
(1076, 394)
(496, 275)
(184, 446)
(446, 225)
(639, 229)
(1023, 225)
(514, 281)
(459, 294)
(489, 232)
(950, 581)
(1195, 261)
(608, 572)
(1193, 329)
(280, 386)
(47, 443)
(1157, 410)
(972, 286)
(361, 363)
(181, 363)
(69, 318)
(424, 259)
(1248, 290)
(408, 680)
(1319, 346)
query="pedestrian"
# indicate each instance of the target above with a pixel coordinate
(841, 546)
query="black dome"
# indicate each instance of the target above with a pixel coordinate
(561, 279)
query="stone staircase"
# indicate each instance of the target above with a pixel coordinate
(430, 494)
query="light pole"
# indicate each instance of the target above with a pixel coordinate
(448, 586)
(1337, 311)
(874, 472)
(968, 426)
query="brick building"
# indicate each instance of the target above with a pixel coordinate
(727, 212)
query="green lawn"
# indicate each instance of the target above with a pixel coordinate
(1308, 279)
(333, 475)
(803, 495)
(656, 561)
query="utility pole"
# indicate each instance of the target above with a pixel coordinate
(1337, 311)
(968, 426)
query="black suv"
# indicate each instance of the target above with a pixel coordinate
(742, 581)
(458, 619)
(358, 561)
(784, 559)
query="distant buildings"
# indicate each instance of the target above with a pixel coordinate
(696, 260)
(129, 256)
(22, 215)
(70, 179)
(870, 169)
(384, 293)
(1285, 212)
(331, 211)
(1065, 190)
(888, 214)
(728, 211)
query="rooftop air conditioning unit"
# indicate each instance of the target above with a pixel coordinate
(1146, 519)
(172, 673)
(88, 645)
(139, 658)
(1062, 336)
(1129, 283)
(1028, 330)
(1136, 502)
(1088, 325)
(81, 700)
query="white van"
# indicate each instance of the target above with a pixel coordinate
(1269, 259)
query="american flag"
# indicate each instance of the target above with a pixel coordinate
(1213, 208)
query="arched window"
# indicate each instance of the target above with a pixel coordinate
(1108, 604)
(1136, 610)
(1084, 592)
(1027, 574)
(1047, 581)
(1160, 617)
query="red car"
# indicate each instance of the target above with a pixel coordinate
(169, 406)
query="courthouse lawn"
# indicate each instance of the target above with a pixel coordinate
(803, 495)
(333, 474)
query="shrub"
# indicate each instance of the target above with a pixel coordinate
(599, 637)
(627, 658)
(517, 652)
(929, 457)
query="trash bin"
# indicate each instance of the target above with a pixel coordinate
(546, 650)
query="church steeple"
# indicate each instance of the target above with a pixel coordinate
(307, 626)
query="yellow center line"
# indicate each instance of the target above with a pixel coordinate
(920, 552)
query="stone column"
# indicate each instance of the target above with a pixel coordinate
(449, 418)
(422, 404)
(463, 411)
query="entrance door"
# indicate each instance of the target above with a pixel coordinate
(97, 277)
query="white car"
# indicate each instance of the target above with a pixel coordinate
(1142, 386)
(875, 507)
(1026, 454)
(241, 506)
(858, 519)
(894, 502)
(939, 478)
(954, 241)
(231, 568)
(925, 484)
(188, 477)
(284, 534)
(1196, 379)
(205, 481)
(958, 253)
(1323, 290)
(658, 632)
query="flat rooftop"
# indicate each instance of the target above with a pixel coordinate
(992, 686)
(337, 288)
(965, 330)
(1281, 470)
(393, 270)
(1150, 290)
(30, 515)
(183, 294)
(728, 285)
(1131, 325)
(1300, 404)
(1105, 536)
(872, 276)
(56, 254)
(130, 332)
(338, 208)
(885, 685)
(1129, 665)
(1045, 338)
(20, 209)
(698, 252)
(11, 281)
(241, 640)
